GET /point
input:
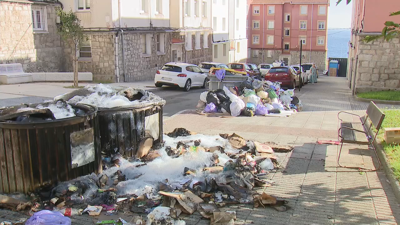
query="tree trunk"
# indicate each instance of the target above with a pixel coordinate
(75, 66)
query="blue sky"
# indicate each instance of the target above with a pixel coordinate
(339, 16)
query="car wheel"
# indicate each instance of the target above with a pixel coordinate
(158, 85)
(205, 83)
(188, 85)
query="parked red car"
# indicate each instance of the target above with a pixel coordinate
(284, 74)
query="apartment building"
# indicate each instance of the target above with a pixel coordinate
(276, 27)
(129, 40)
(373, 66)
(229, 31)
(192, 19)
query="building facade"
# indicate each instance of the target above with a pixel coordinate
(192, 18)
(374, 65)
(29, 35)
(276, 27)
(129, 40)
(229, 31)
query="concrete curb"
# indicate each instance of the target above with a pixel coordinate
(386, 167)
(376, 101)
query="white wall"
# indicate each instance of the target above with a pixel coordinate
(220, 12)
(192, 21)
(241, 16)
(221, 58)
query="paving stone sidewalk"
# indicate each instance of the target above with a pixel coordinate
(318, 192)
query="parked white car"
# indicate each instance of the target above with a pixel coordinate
(264, 68)
(307, 69)
(206, 66)
(183, 75)
(303, 73)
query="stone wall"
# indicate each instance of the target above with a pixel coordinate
(264, 59)
(196, 56)
(36, 51)
(102, 62)
(378, 65)
(317, 57)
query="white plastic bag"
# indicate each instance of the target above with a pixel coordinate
(278, 106)
(46, 217)
(267, 164)
(236, 108)
(203, 96)
(269, 107)
(253, 99)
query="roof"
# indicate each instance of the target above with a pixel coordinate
(179, 64)
(275, 2)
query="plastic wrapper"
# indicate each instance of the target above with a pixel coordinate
(266, 164)
(248, 83)
(278, 106)
(253, 99)
(226, 106)
(236, 107)
(269, 107)
(257, 84)
(248, 92)
(210, 108)
(251, 106)
(46, 217)
(262, 94)
(220, 74)
(285, 98)
(221, 95)
(261, 110)
(271, 94)
(203, 96)
(213, 98)
(234, 98)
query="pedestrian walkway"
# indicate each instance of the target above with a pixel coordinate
(317, 191)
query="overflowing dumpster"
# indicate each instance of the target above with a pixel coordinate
(39, 148)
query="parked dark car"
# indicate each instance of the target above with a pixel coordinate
(254, 71)
(284, 74)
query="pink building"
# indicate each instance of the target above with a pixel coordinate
(276, 27)
(373, 66)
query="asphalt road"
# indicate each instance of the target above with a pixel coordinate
(177, 99)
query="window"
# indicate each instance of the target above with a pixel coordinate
(238, 47)
(215, 24)
(198, 45)
(287, 17)
(256, 39)
(83, 4)
(143, 43)
(320, 40)
(322, 10)
(321, 25)
(269, 54)
(158, 6)
(303, 9)
(160, 40)
(254, 53)
(237, 24)
(39, 18)
(271, 24)
(187, 7)
(204, 11)
(271, 9)
(205, 40)
(270, 40)
(196, 8)
(223, 24)
(287, 32)
(256, 24)
(144, 6)
(287, 46)
(303, 39)
(215, 51)
(189, 41)
(224, 50)
(85, 50)
(256, 9)
(303, 24)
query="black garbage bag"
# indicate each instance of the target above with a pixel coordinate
(248, 83)
(221, 95)
(295, 100)
(227, 106)
(212, 97)
(247, 112)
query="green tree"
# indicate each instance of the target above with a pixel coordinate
(72, 33)
(391, 29)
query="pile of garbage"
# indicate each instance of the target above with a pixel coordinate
(251, 97)
(192, 172)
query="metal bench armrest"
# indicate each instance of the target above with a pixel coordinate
(353, 114)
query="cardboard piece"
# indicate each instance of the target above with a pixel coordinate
(187, 200)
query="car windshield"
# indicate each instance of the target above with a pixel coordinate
(296, 68)
(172, 68)
(253, 66)
(206, 66)
(279, 70)
(265, 66)
(306, 67)
(196, 69)
(236, 66)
